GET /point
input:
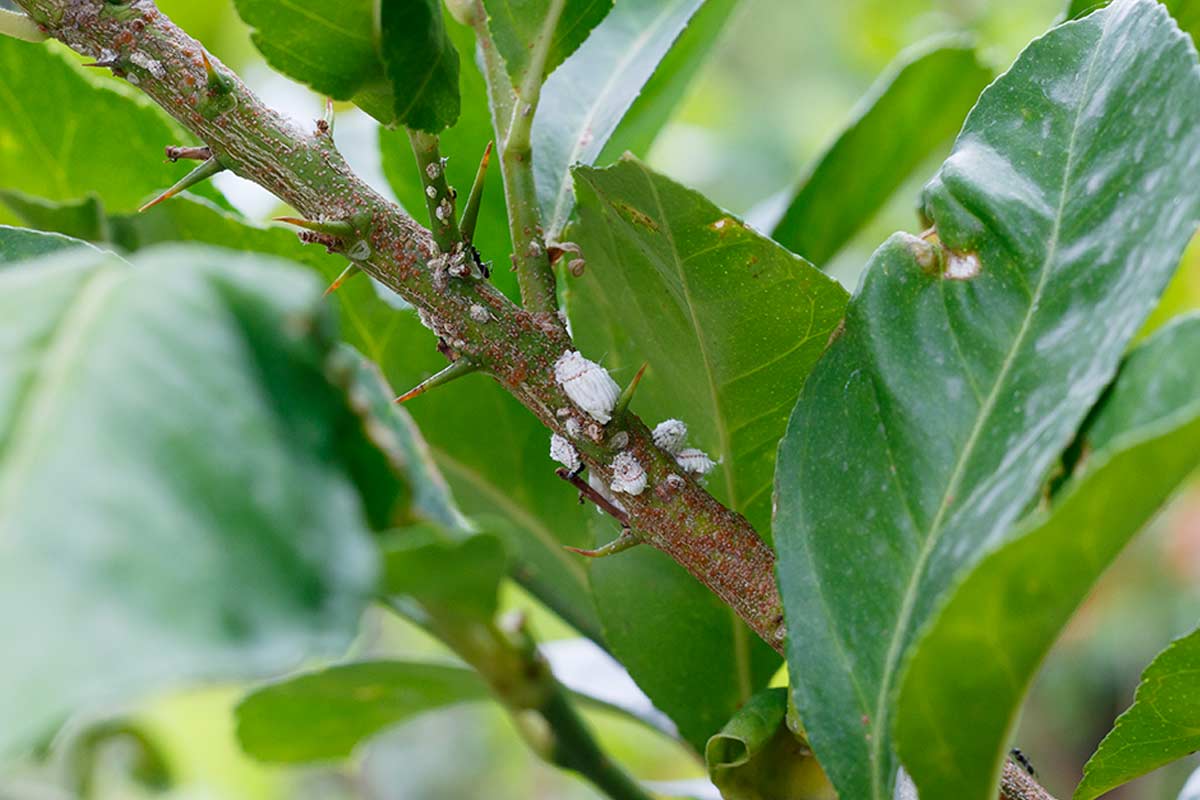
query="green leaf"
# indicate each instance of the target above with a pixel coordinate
(421, 62)
(324, 715)
(688, 652)
(400, 66)
(730, 322)
(952, 726)
(1162, 725)
(756, 757)
(65, 135)
(963, 374)
(518, 28)
(583, 104)
(905, 118)
(128, 388)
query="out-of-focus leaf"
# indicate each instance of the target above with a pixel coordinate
(583, 103)
(65, 135)
(393, 59)
(964, 371)
(18, 244)
(730, 322)
(687, 651)
(324, 715)
(1162, 725)
(911, 113)
(518, 28)
(213, 528)
(81, 219)
(756, 757)
(508, 478)
(1143, 442)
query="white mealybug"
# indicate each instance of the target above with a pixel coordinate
(564, 453)
(628, 475)
(587, 384)
(694, 461)
(619, 440)
(433, 169)
(430, 192)
(479, 313)
(670, 435)
(574, 429)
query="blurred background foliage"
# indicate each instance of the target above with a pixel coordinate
(785, 77)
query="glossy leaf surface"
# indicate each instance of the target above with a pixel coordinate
(1143, 442)
(962, 374)
(910, 114)
(192, 565)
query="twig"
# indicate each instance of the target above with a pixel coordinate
(439, 197)
(530, 259)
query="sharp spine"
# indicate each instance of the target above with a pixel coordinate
(201, 173)
(470, 215)
(453, 372)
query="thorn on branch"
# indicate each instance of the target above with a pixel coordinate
(176, 152)
(470, 216)
(586, 491)
(453, 372)
(201, 173)
(338, 229)
(627, 540)
(347, 273)
(627, 394)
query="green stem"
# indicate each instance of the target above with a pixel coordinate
(439, 197)
(530, 259)
(576, 749)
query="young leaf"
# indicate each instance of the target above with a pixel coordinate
(398, 65)
(730, 322)
(1185, 12)
(906, 117)
(18, 244)
(966, 367)
(952, 726)
(323, 716)
(193, 565)
(519, 27)
(756, 757)
(1162, 725)
(68, 135)
(584, 102)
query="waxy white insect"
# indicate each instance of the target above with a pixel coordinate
(479, 313)
(694, 461)
(670, 434)
(629, 477)
(587, 384)
(564, 453)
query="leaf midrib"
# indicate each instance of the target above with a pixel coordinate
(985, 412)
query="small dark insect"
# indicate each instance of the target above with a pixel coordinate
(1023, 761)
